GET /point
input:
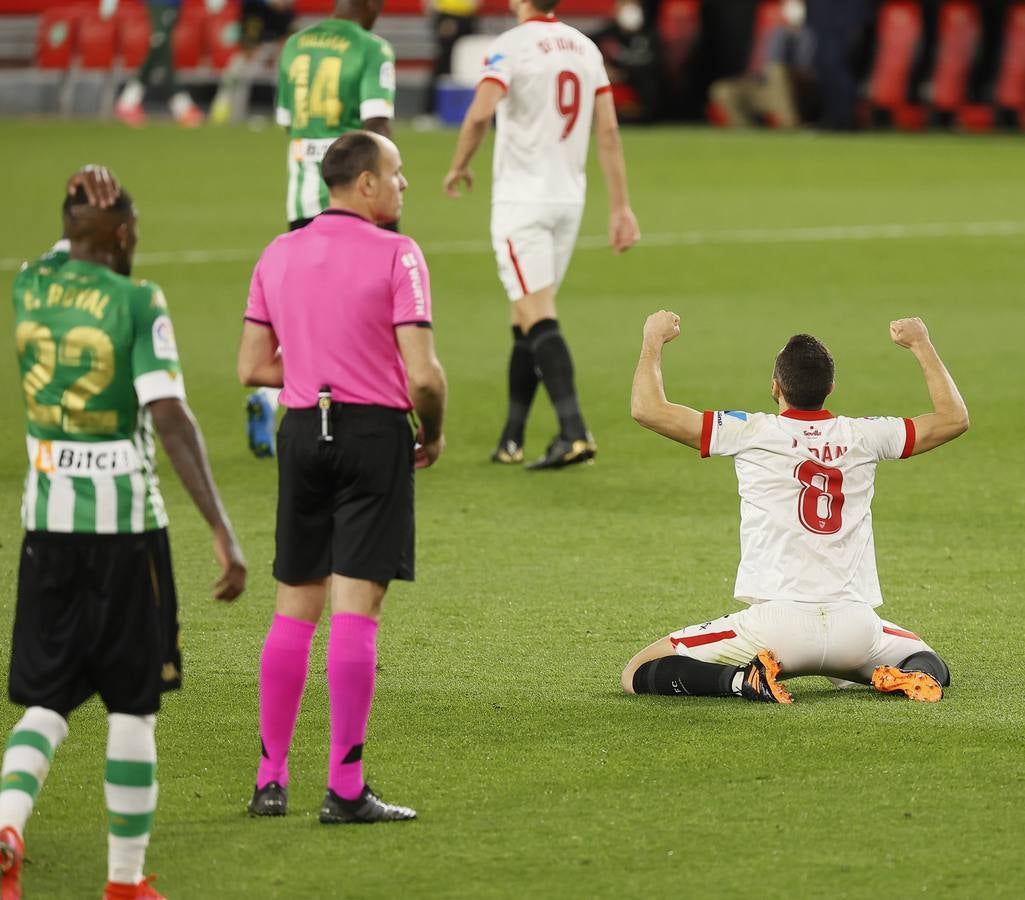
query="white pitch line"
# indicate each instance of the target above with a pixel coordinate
(811, 234)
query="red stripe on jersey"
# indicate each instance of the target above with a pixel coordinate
(900, 632)
(550, 19)
(909, 439)
(516, 266)
(706, 432)
(604, 89)
(807, 415)
(699, 640)
(497, 81)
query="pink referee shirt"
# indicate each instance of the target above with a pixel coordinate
(334, 292)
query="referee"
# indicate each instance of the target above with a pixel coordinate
(339, 315)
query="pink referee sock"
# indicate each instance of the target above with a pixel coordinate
(283, 667)
(351, 668)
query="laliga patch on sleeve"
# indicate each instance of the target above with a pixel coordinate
(387, 76)
(164, 346)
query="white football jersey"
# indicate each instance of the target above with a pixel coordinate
(551, 74)
(806, 481)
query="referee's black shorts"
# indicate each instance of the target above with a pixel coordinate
(96, 614)
(345, 506)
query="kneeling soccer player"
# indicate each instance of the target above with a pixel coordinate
(807, 561)
(97, 611)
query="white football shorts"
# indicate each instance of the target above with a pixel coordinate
(533, 244)
(843, 640)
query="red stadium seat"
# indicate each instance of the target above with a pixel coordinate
(133, 37)
(898, 33)
(1010, 88)
(96, 41)
(678, 25)
(222, 35)
(959, 33)
(55, 40)
(768, 17)
(898, 36)
(187, 41)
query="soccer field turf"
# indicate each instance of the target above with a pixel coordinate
(498, 712)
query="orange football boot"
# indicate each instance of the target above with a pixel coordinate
(142, 891)
(916, 685)
(12, 853)
(760, 680)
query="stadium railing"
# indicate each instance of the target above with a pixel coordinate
(68, 76)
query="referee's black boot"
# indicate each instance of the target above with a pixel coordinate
(563, 452)
(365, 809)
(270, 800)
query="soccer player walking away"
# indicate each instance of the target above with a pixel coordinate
(807, 557)
(157, 69)
(333, 78)
(349, 305)
(547, 83)
(97, 611)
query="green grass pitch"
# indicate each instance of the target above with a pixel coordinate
(498, 711)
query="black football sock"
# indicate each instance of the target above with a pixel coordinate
(682, 676)
(929, 663)
(522, 387)
(555, 366)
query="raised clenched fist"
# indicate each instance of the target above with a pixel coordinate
(908, 332)
(662, 327)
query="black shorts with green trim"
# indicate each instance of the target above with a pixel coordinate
(345, 506)
(96, 614)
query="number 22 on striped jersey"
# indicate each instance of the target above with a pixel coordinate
(319, 99)
(567, 99)
(80, 342)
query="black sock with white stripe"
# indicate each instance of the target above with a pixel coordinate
(522, 387)
(555, 365)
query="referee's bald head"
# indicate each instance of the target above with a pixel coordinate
(354, 153)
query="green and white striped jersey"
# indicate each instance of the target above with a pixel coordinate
(332, 77)
(94, 348)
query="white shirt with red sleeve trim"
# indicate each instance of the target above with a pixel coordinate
(551, 74)
(806, 481)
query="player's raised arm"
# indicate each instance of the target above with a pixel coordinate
(475, 126)
(949, 418)
(648, 403)
(183, 442)
(624, 231)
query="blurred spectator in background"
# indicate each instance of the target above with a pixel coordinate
(633, 59)
(840, 28)
(450, 20)
(157, 69)
(263, 27)
(780, 89)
